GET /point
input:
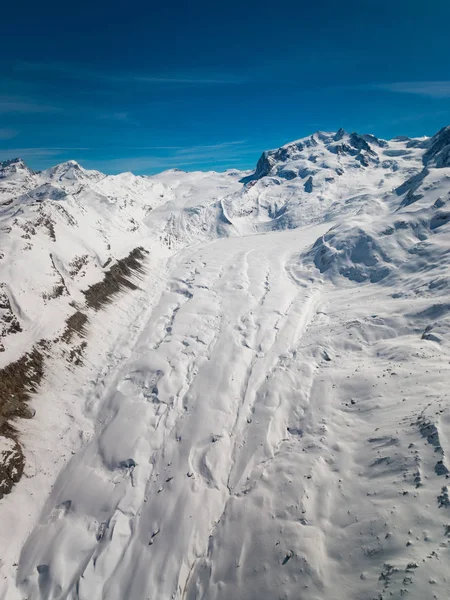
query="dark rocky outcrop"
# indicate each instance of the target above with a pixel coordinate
(340, 133)
(438, 153)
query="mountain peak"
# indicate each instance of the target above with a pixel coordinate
(70, 171)
(68, 164)
(11, 161)
(438, 153)
(340, 133)
(300, 157)
(13, 168)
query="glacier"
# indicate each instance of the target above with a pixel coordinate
(255, 404)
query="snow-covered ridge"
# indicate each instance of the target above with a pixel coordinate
(53, 221)
(67, 215)
(266, 414)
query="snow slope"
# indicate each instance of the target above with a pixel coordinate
(62, 228)
(267, 414)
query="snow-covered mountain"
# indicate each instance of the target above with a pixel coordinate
(237, 381)
(63, 228)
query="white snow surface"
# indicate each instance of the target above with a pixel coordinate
(267, 416)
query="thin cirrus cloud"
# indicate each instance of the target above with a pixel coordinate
(415, 117)
(179, 156)
(227, 146)
(156, 157)
(158, 163)
(39, 153)
(19, 104)
(176, 149)
(216, 155)
(432, 89)
(73, 71)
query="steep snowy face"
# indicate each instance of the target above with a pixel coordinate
(15, 179)
(306, 156)
(438, 152)
(69, 173)
(322, 177)
(62, 228)
(14, 169)
(402, 246)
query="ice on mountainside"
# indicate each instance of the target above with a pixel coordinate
(239, 380)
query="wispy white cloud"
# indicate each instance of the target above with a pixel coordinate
(192, 79)
(145, 164)
(177, 150)
(211, 148)
(19, 104)
(415, 117)
(432, 89)
(157, 158)
(6, 153)
(179, 78)
(216, 156)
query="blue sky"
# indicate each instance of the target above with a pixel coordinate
(146, 86)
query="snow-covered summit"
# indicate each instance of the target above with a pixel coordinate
(13, 168)
(293, 159)
(15, 178)
(70, 172)
(321, 176)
